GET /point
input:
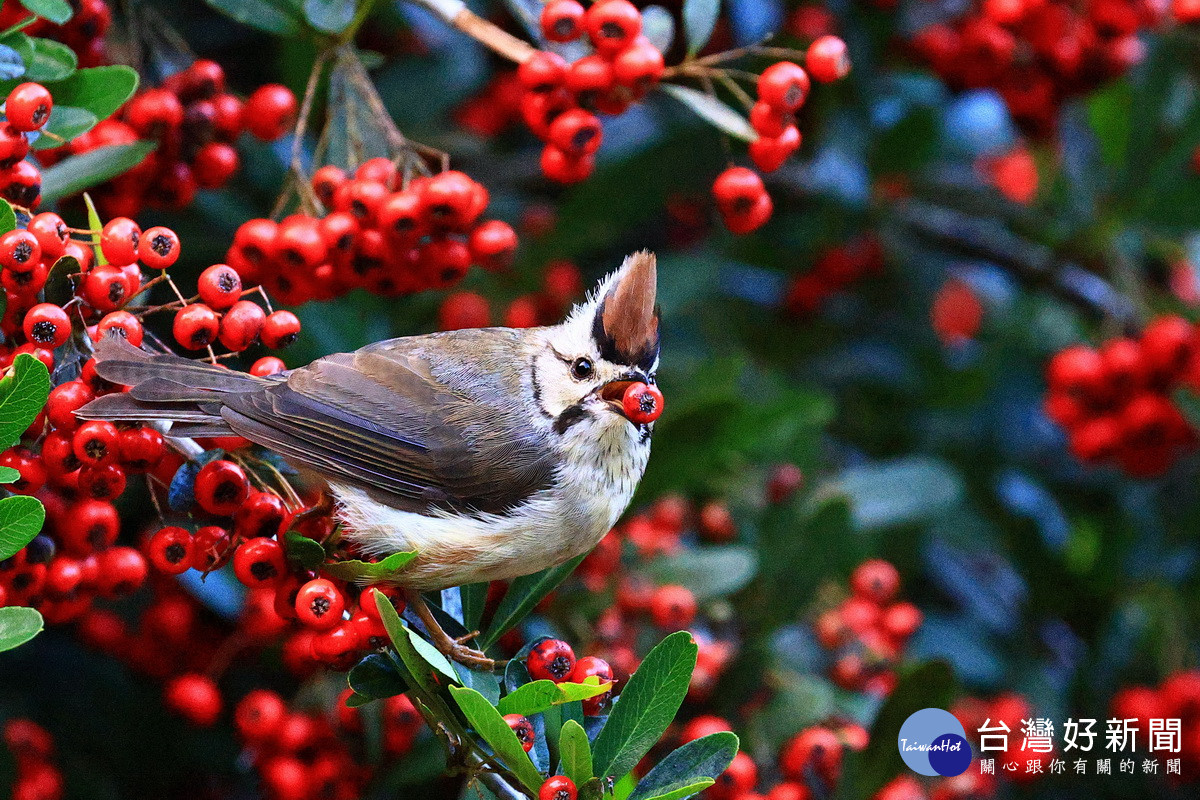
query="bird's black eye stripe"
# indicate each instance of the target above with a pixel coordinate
(582, 368)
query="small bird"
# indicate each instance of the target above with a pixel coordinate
(491, 452)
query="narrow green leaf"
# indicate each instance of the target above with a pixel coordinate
(712, 110)
(261, 14)
(575, 752)
(536, 696)
(23, 393)
(699, 19)
(688, 769)
(306, 552)
(431, 655)
(57, 11)
(490, 725)
(525, 593)
(96, 225)
(370, 572)
(21, 518)
(45, 59)
(71, 176)
(18, 625)
(8, 475)
(329, 16)
(647, 705)
(398, 632)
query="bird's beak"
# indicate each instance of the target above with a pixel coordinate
(614, 393)
(628, 321)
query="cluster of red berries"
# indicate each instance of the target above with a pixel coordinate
(83, 32)
(1116, 402)
(561, 99)
(1176, 697)
(195, 123)
(867, 632)
(835, 269)
(26, 110)
(1037, 53)
(561, 285)
(32, 748)
(380, 234)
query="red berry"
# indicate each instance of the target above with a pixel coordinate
(259, 715)
(673, 607)
(170, 550)
(642, 403)
(158, 248)
(326, 181)
(219, 286)
(742, 199)
(319, 604)
(214, 164)
(577, 132)
(241, 325)
(875, 580)
(51, 233)
(612, 25)
(542, 71)
(96, 442)
(28, 106)
(260, 562)
(523, 728)
(260, 514)
(827, 59)
(639, 67)
(104, 482)
(769, 153)
(195, 326)
(551, 659)
(19, 250)
(119, 241)
(901, 620)
(557, 787)
(280, 329)
(270, 112)
(587, 667)
(815, 748)
(565, 167)
(65, 399)
(221, 487)
(493, 245)
(783, 86)
(738, 778)
(141, 449)
(196, 698)
(267, 365)
(562, 20)
(21, 184)
(464, 310)
(47, 325)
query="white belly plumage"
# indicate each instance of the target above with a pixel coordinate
(552, 526)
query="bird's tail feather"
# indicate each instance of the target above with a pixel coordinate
(165, 387)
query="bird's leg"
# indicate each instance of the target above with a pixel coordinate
(446, 644)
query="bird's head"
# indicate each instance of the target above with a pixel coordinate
(609, 341)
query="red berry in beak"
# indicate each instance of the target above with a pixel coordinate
(642, 403)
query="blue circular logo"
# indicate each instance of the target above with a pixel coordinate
(932, 742)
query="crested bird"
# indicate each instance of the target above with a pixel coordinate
(492, 452)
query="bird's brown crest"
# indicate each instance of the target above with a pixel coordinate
(628, 319)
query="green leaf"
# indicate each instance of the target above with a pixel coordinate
(575, 752)
(375, 677)
(45, 60)
(99, 90)
(23, 393)
(712, 110)
(708, 571)
(536, 696)
(96, 225)
(1108, 111)
(57, 11)
(8, 475)
(329, 16)
(688, 769)
(1188, 403)
(474, 598)
(306, 552)
(699, 19)
(525, 593)
(8, 217)
(72, 175)
(658, 25)
(864, 773)
(18, 625)
(898, 492)
(21, 518)
(66, 122)
(490, 725)
(647, 705)
(397, 631)
(261, 14)
(370, 572)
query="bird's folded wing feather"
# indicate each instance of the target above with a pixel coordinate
(421, 423)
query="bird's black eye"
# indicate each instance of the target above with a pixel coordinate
(582, 368)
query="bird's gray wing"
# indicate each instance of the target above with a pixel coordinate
(421, 423)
